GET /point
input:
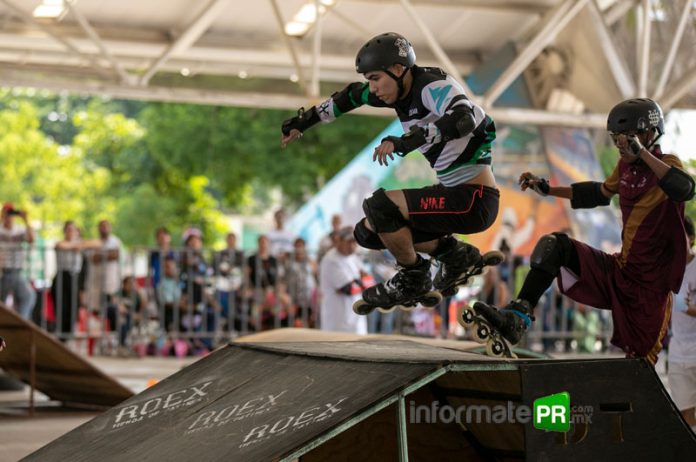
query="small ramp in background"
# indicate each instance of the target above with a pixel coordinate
(38, 359)
(379, 399)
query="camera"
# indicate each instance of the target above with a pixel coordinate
(14, 212)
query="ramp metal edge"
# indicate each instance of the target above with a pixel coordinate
(398, 396)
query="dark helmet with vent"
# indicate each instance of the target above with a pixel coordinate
(636, 115)
(383, 51)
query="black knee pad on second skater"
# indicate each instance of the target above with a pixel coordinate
(382, 213)
(367, 238)
(550, 253)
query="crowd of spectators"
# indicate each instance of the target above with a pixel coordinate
(192, 298)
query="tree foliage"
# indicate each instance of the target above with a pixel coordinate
(143, 165)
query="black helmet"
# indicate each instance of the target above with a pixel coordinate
(384, 50)
(638, 114)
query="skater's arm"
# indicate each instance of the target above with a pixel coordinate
(586, 194)
(542, 187)
(351, 97)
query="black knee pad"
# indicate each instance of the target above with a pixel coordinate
(382, 213)
(367, 238)
(551, 252)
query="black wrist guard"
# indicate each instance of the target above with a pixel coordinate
(678, 185)
(587, 195)
(410, 141)
(302, 121)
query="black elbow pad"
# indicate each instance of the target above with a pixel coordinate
(678, 185)
(587, 195)
(456, 124)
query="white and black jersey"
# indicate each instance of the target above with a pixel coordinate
(434, 94)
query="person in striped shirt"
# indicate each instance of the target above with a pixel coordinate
(455, 136)
(636, 283)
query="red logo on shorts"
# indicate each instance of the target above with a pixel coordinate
(432, 203)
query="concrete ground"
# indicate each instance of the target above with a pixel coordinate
(21, 435)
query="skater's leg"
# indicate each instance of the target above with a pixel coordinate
(552, 252)
(387, 215)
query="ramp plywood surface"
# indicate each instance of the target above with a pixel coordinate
(236, 404)
(60, 374)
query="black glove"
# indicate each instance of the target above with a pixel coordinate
(302, 121)
(541, 186)
(410, 141)
(634, 145)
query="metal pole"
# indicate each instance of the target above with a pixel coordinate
(676, 41)
(557, 20)
(402, 436)
(437, 49)
(644, 51)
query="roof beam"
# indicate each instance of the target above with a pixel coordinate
(29, 18)
(92, 34)
(676, 41)
(275, 100)
(192, 33)
(618, 11)
(437, 49)
(672, 96)
(290, 45)
(316, 53)
(554, 22)
(528, 7)
(615, 61)
(644, 49)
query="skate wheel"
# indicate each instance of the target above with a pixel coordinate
(466, 317)
(481, 333)
(408, 307)
(492, 258)
(362, 308)
(495, 348)
(386, 310)
(431, 299)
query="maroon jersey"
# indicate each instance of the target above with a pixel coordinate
(654, 245)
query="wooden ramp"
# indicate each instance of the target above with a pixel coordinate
(38, 359)
(378, 399)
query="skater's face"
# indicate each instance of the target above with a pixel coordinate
(622, 144)
(383, 86)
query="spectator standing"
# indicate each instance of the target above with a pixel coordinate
(280, 239)
(327, 242)
(67, 283)
(682, 346)
(229, 270)
(157, 256)
(104, 272)
(340, 275)
(301, 274)
(13, 258)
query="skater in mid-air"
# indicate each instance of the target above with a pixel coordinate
(635, 284)
(455, 136)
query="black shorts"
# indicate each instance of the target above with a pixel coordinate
(436, 211)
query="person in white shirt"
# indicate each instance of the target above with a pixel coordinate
(103, 271)
(13, 259)
(340, 275)
(280, 239)
(682, 346)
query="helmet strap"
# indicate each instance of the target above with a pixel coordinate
(653, 141)
(399, 81)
